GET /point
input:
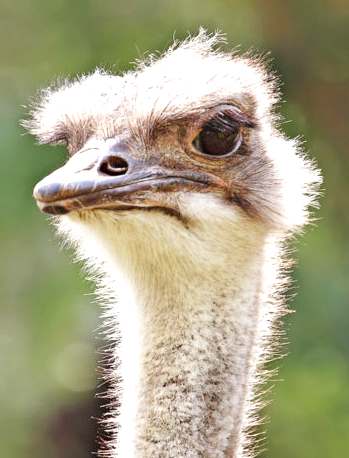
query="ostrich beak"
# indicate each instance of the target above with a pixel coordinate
(112, 179)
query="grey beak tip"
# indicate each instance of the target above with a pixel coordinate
(46, 192)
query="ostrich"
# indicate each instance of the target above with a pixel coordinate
(179, 193)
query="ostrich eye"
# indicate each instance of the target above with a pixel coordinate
(221, 136)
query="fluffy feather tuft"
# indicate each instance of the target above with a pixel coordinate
(193, 301)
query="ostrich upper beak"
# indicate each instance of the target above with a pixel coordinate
(110, 178)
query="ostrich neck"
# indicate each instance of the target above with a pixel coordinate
(190, 345)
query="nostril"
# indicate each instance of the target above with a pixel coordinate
(113, 165)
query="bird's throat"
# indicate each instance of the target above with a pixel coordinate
(193, 313)
(189, 349)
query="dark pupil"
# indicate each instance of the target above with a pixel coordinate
(217, 142)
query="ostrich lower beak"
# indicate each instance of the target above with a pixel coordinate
(91, 180)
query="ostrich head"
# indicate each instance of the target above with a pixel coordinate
(193, 127)
(176, 181)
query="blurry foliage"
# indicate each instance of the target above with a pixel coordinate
(47, 324)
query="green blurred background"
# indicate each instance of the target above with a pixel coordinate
(47, 317)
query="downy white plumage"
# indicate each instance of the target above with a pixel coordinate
(191, 266)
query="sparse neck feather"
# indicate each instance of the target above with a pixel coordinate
(192, 313)
(192, 289)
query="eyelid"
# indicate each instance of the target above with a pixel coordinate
(233, 112)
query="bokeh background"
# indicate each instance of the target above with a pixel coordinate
(48, 318)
